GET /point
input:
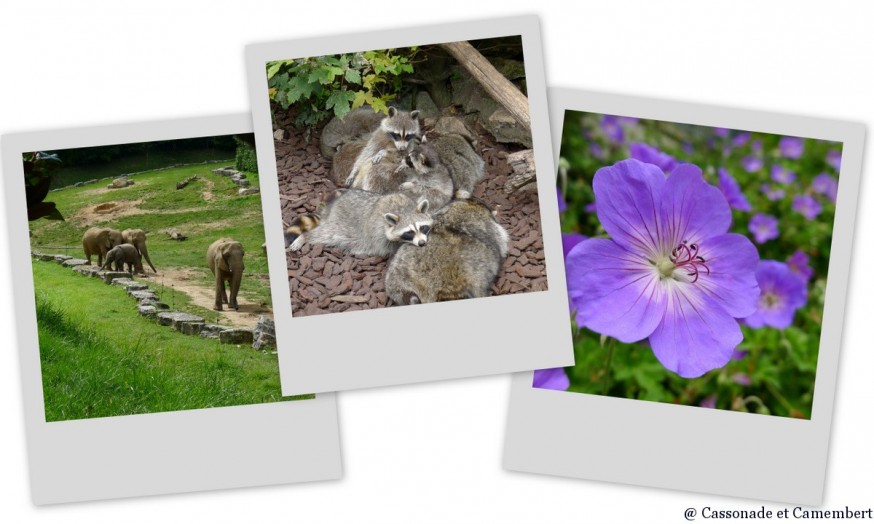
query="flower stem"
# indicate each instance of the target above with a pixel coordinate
(607, 370)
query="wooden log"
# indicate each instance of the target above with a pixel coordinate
(492, 81)
(524, 172)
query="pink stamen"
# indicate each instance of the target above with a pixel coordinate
(686, 256)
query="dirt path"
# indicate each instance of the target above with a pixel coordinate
(184, 280)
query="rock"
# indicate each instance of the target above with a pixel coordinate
(120, 182)
(449, 125)
(212, 330)
(280, 134)
(349, 299)
(248, 191)
(240, 180)
(468, 93)
(175, 318)
(238, 176)
(130, 285)
(147, 311)
(511, 69)
(236, 336)
(86, 270)
(45, 257)
(145, 294)
(154, 303)
(189, 328)
(73, 262)
(225, 171)
(109, 276)
(264, 334)
(428, 110)
(176, 235)
(61, 258)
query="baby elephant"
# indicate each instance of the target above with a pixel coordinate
(124, 254)
(225, 260)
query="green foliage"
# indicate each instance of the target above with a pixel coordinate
(108, 361)
(246, 157)
(327, 86)
(776, 370)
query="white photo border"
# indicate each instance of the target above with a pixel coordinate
(386, 347)
(158, 453)
(685, 447)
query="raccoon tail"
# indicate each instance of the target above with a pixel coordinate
(301, 225)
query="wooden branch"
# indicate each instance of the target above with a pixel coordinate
(494, 83)
(524, 173)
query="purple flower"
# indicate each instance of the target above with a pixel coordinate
(781, 174)
(740, 139)
(757, 146)
(730, 188)
(688, 149)
(709, 402)
(833, 158)
(627, 121)
(827, 185)
(752, 163)
(569, 240)
(612, 128)
(799, 263)
(783, 292)
(808, 206)
(596, 150)
(721, 132)
(590, 208)
(651, 155)
(773, 193)
(670, 272)
(763, 227)
(791, 147)
(562, 205)
(554, 378)
(741, 378)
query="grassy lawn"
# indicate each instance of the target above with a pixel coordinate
(100, 358)
(207, 209)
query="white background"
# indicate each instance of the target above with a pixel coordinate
(432, 453)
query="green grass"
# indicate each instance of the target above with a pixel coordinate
(161, 206)
(100, 358)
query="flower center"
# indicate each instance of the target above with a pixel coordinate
(769, 300)
(685, 257)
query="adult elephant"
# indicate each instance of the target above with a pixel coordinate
(98, 241)
(137, 237)
(225, 260)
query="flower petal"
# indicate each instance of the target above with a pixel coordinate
(692, 209)
(696, 334)
(626, 195)
(616, 293)
(732, 260)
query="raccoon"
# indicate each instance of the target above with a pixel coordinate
(388, 174)
(344, 159)
(358, 124)
(395, 133)
(465, 165)
(365, 223)
(427, 177)
(461, 260)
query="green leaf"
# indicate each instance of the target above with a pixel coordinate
(353, 76)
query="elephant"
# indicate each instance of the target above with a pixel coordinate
(225, 260)
(137, 237)
(124, 254)
(98, 241)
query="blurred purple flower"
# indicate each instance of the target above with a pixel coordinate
(670, 272)
(741, 378)
(781, 174)
(783, 292)
(688, 149)
(737, 354)
(554, 378)
(799, 263)
(752, 163)
(791, 147)
(627, 121)
(721, 132)
(562, 205)
(763, 227)
(757, 146)
(731, 190)
(773, 193)
(808, 206)
(740, 139)
(709, 402)
(651, 155)
(569, 240)
(612, 128)
(597, 151)
(827, 185)
(833, 158)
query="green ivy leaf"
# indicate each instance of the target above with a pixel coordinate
(353, 76)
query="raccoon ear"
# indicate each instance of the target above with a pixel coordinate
(423, 206)
(414, 114)
(392, 111)
(391, 219)
(424, 138)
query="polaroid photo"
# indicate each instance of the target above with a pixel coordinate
(405, 172)
(145, 319)
(707, 252)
